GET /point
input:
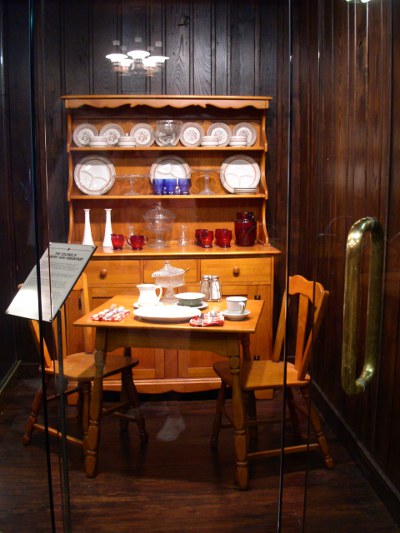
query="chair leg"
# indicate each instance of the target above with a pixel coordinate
(218, 415)
(85, 406)
(317, 426)
(35, 410)
(130, 390)
(251, 413)
(293, 413)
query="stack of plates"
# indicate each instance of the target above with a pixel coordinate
(245, 190)
(209, 140)
(238, 140)
(98, 140)
(127, 140)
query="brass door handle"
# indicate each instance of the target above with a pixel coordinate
(351, 305)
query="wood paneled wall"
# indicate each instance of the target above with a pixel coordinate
(343, 159)
(344, 167)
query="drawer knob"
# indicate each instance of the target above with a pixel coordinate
(236, 270)
(103, 273)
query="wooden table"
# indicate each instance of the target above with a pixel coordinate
(135, 332)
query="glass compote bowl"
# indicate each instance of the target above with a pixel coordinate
(159, 222)
(206, 190)
(168, 132)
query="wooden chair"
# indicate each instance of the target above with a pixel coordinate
(79, 370)
(269, 374)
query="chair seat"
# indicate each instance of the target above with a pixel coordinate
(80, 366)
(258, 375)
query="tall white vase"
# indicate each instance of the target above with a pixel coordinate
(107, 243)
(87, 232)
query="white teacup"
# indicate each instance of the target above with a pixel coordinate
(149, 294)
(236, 304)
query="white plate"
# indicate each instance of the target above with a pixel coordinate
(246, 129)
(143, 135)
(167, 313)
(83, 134)
(94, 175)
(238, 172)
(169, 166)
(221, 131)
(112, 132)
(202, 305)
(191, 134)
(236, 316)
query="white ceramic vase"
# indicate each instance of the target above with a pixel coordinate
(107, 243)
(87, 232)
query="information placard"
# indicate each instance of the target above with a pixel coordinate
(60, 267)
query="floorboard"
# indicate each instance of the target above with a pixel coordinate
(176, 484)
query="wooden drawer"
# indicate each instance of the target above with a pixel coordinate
(250, 270)
(113, 272)
(152, 265)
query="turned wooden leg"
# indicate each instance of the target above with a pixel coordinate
(316, 424)
(93, 436)
(130, 388)
(35, 410)
(85, 399)
(218, 416)
(239, 424)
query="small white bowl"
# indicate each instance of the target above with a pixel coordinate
(190, 299)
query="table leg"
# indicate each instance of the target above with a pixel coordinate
(93, 434)
(239, 424)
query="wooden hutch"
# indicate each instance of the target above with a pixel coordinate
(242, 270)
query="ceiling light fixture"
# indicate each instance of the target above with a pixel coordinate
(136, 61)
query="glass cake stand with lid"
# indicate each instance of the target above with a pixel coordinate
(168, 278)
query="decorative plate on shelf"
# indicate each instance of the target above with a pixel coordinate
(143, 135)
(191, 134)
(239, 171)
(83, 134)
(112, 132)
(167, 313)
(246, 129)
(221, 131)
(169, 166)
(94, 175)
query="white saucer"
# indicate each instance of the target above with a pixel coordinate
(236, 316)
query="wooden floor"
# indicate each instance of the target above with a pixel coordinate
(176, 484)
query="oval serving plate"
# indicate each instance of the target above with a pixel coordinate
(83, 134)
(169, 166)
(143, 134)
(246, 129)
(112, 132)
(94, 175)
(239, 171)
(167, 313)
(221, 131)
(191, 134)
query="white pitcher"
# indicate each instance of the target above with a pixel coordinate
(149, 294)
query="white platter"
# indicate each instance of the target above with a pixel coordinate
(169, 166)
(83, 134)
(236, 316)
(143, 135)
(112, 132)
(246, 129)
(167, 313)
(221, 131)
(238, 172)
(191, 134)
(94, 175)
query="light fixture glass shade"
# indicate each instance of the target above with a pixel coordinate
(116, 58)
(158, 59)
(138, 54)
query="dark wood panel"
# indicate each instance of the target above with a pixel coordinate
(201, 60)
(76, 35)
(242, 20)
(104, 30)
(222, 71)
(177, 35)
